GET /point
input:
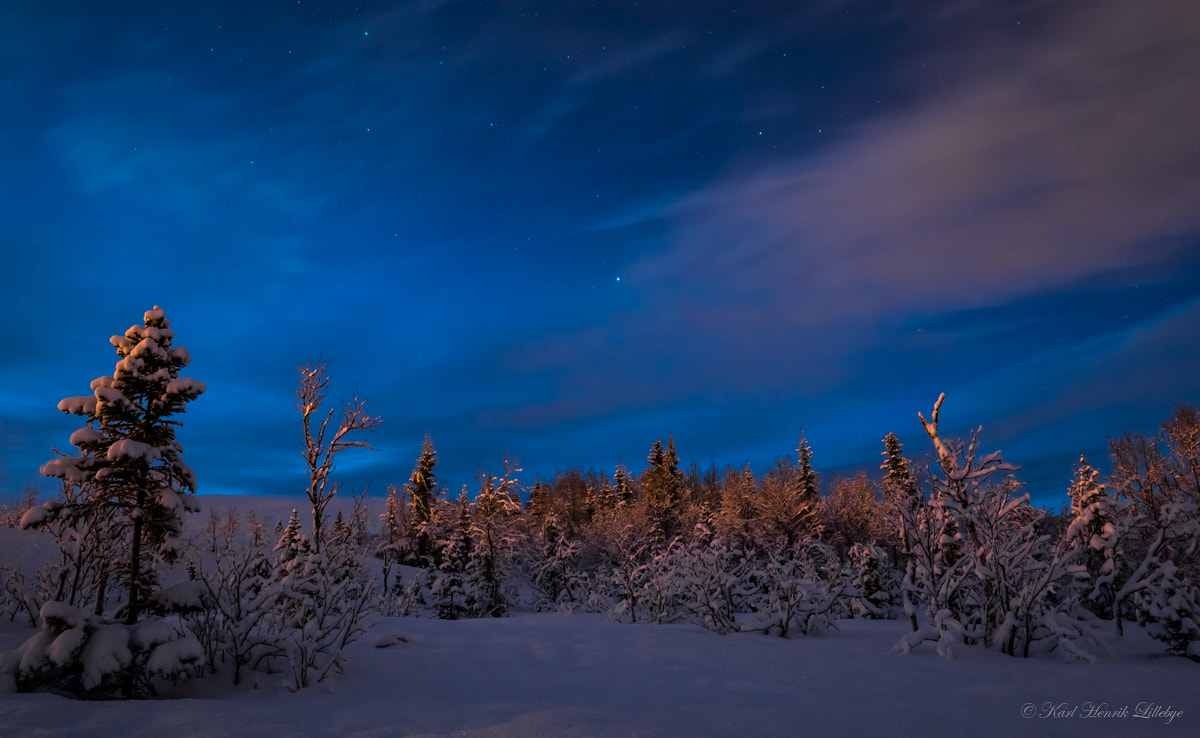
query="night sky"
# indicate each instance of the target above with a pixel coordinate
(561, 230)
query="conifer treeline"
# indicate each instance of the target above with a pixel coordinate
(953, 545)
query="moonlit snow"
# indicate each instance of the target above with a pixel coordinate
(583, 675)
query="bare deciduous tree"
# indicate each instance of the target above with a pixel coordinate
(320, 453)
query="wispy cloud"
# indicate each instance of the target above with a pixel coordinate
(1077, 154)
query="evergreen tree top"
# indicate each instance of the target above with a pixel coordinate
(807, 478)
(656, 458)
(423, 481)
(897, 469)
(1086, 487)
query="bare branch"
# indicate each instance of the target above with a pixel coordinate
(320, 456)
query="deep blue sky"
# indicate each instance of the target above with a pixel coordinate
(561, 230)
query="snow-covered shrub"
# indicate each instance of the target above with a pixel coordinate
(17, 596)
(82, 655)
(797, 588)
(618, 544)
(405, 599)
(559, 582)
(326, 603)
(711, 582)
(1172, 613)
(658, 597)
(12, 512)
(90, 540)
(945, 631)
(1073, 632)
(872, 589)
(231, 607)
(975, 553)
(1151, 577)
(852, 514)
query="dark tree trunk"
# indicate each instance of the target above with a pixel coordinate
(101, 590)
(135, 559)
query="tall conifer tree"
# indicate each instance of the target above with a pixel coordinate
(130, 458)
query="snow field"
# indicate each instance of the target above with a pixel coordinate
(582, 675)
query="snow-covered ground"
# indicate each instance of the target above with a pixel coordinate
(581, 675)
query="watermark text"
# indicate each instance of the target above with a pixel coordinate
(1100, 711)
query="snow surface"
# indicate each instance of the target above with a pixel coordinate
(582, 675)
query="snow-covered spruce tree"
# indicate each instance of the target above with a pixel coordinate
(570, 565)
(289, 547)
(623, 487)
(807, 482)
(903, 510)
(449, 591)
(129, 456)
(1091, 538)
(490, 555)
(540, 502)
(78, 654)
(602, 499)
(662, 486)
(320, 454)
(423, 492)
(897, 470)
(393, 538)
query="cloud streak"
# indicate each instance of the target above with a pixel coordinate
(1070, 154)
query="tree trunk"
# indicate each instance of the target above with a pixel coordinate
(135, 559)
(318, 513)
(101, 590)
